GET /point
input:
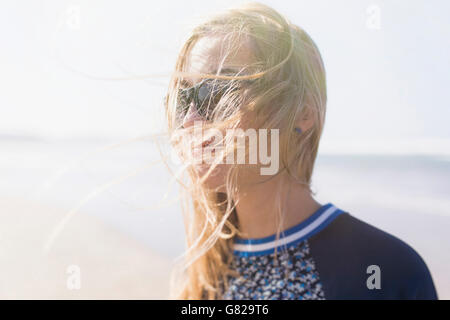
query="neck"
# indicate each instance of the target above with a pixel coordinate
(277, 204)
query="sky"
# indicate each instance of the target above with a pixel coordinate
(61, 63)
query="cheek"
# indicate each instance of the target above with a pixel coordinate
(216, 178)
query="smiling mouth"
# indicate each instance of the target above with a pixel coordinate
(207, 142)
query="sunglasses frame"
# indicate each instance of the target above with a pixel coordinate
(187, 95)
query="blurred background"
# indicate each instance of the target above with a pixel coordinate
(87, 206)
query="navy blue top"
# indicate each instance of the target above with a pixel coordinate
(330, 255)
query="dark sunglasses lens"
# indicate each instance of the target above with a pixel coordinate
(203, 99)
(209, 95)
(184, 100)
(206, 95)
(204, 92)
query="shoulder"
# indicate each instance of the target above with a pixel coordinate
(350, 248)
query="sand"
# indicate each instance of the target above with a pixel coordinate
(113, 266)
(89, 260)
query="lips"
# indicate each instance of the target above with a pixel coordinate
(207, 142)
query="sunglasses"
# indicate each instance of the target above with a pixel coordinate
(206, 95)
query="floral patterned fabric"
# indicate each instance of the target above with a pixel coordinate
(289, 274)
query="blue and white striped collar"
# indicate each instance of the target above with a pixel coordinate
(312, 225)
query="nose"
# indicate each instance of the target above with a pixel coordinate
(191, 116)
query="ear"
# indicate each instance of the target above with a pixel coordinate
(305, 120)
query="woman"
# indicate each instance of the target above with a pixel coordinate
(255, 234)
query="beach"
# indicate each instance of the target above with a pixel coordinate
(90, 210)
(107, 263)
(123, 240)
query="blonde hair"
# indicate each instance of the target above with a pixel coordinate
(291, 84)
